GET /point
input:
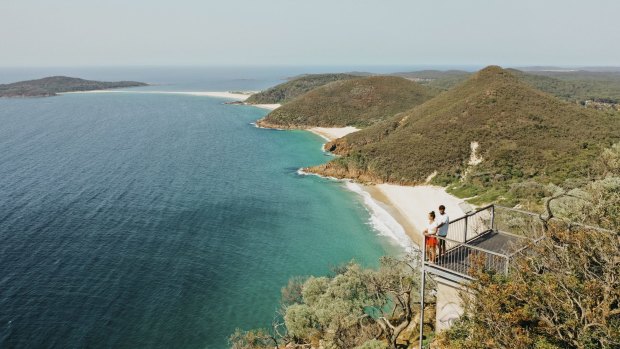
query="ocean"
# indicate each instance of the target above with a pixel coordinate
(162, 220)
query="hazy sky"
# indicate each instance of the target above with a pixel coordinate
(310, 32)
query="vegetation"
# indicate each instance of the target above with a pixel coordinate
(50, 86)
(578, 87)
(522, 134)
(443, 80)
(355, 308)
(573, 86)
(289, 90)
(562, 292)
(355, 102)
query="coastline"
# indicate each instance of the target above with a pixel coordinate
(331, 133)
(410, 205)
(238, 97)
(397, 211)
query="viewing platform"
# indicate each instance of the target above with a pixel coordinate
(485, 238)
(488, 239)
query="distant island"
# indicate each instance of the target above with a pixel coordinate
(51, 86)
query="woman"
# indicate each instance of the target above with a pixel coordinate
(431, 240)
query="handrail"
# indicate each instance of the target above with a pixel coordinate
(472, 213)
(470, 246)
(525, 247)
(510, 234)
(459, 248)
(447, 270)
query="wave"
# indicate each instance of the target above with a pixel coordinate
(380, 219)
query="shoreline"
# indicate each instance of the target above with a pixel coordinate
(411, 204)
(238, 97)
(396, 211)
(331, 133)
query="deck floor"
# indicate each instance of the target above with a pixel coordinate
(459, 259)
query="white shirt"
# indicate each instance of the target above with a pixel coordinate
(430, 227)
(443, 218)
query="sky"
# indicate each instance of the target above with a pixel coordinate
(311, 32)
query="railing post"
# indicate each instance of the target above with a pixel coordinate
(465, 232)
(422, 305)
(493, 217)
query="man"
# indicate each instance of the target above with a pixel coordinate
(443, 222)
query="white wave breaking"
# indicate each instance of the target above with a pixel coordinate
(380, 219)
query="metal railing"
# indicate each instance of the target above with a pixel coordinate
(466, 260)
(471, 225)
(463, 258)
(518, 222)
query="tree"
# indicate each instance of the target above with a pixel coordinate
(355, 308)
(562, 292)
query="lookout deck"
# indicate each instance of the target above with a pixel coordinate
(486, 239)
(481, 240)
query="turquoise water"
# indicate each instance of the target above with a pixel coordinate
(159, 221)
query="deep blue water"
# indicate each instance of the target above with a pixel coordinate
(159, 221)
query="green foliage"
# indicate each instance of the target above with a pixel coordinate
(523, 135)
(354, 308)
(598, 204)
(355, 102)
(443, 80)
(57, 84)
(609, 161)
(576, 86)
(373, 344)
(255, 339)
(562, 292)
(289, 90)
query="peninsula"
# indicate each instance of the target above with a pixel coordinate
(53, 85)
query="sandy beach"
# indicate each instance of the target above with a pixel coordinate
(266, 106)
(230, 95)
(331, 133)
(409, 205)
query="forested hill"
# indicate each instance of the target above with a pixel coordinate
(355, 102)
(53, 85)
(520, 133)
(285, 92)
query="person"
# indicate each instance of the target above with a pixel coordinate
(443, 222)
(429, 237)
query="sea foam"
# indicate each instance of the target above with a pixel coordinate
(380, 218)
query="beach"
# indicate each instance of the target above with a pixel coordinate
(410, 205)
(331, 133)
(266, 106)
(398, 211)
(238, 96)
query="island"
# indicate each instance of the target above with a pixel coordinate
(53, 85)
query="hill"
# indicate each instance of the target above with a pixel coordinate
(287, 91)
(50, 86)
(354, 102)
(516, 132)
(440, 79)
(577, 86)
